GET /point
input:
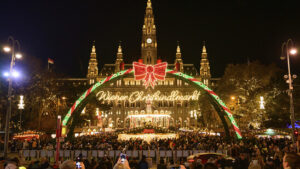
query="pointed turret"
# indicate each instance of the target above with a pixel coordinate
(149, 43)
(204, 67)
(93, 65)
(119, 65)
(178, 60)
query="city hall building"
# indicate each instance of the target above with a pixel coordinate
(171, 102)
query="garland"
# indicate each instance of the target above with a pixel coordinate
(179, 74)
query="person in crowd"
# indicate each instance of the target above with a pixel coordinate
(270, 163)
(173, 165)
(122, 165)
(254, 164)
(133, 163)
(34, 165)
(242, 162)
(11, 164)
(143, 163)
(221, 162)
(181, 164)
(70, 164)
(161, 164)
(291, 161)
(210, 166)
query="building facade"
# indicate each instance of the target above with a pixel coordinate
(173, 102)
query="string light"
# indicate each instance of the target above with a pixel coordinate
(136, 96)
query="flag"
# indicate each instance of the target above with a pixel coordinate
(50, 61)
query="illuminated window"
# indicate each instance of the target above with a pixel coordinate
(118, 83)
(171, 82)
(179, 82)
(165, 104)
(178, 104)
(132, 105)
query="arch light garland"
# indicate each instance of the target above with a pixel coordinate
(169, 71)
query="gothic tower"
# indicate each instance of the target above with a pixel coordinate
(178, 60)
(204, 67)
(119, 62)
(149, 43)
(93, 66)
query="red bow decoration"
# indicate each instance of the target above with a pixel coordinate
(149, 73)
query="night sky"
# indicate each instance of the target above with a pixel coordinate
(234, 31)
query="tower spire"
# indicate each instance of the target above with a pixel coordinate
(119, 64)
(93, 48)
(178, 60)
(178, 48)
(204, 67)
(149, 4)
(120, 48)
(203, 48)
(93, 65)
(149, 43)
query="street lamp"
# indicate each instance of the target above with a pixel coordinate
(289, 49)
(14, 43)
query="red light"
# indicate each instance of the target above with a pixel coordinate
(192, 160)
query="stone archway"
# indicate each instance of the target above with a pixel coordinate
(222, 109)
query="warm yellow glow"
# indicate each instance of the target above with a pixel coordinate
(7, 49)
(262, 103)
(83, 111)
(293, 51)
(19, 56)
(232, 98)
(63, 131)
(149, 115)
(141, 96)
(21, 103)
(147, 137)
(97, 111)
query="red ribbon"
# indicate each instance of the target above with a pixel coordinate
(149, 73)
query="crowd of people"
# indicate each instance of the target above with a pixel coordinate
(260, 153)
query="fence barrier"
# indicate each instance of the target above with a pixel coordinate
(88, 154)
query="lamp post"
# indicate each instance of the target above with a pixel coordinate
(14, 56)
(289, 49)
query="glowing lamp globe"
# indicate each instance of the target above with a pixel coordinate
(18, 56)
(5, 74)
(293, 51)
(7, 49)
(15, 74)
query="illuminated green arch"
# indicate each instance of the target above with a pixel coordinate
(220, 106)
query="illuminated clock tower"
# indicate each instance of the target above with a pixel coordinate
(149, 43)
